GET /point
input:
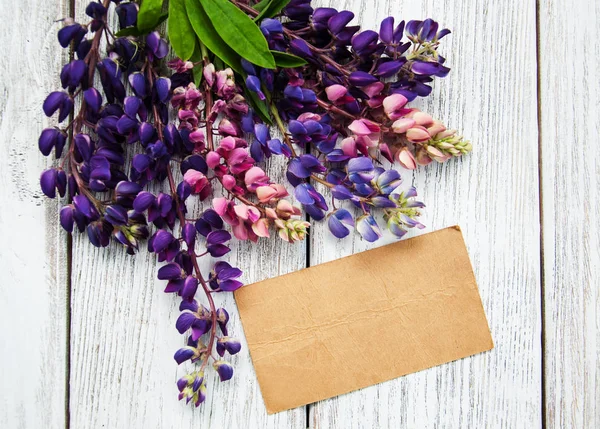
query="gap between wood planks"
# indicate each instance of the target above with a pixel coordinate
(541, 211)
(71, 13)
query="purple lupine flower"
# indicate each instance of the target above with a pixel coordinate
(223, 277)
(229, 345)
(224, 369)
(116, 215)
(58, 101)
(198, 321)
(339, 221)
(222, 319)
(157, 47)
(51, 138)
(71, 33)
(360, 170)
(209, 220)
(368, 228)
(127, 13)
(215, 243)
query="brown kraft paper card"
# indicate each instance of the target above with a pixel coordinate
(364, 319)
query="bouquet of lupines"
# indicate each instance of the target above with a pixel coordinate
(203, 118)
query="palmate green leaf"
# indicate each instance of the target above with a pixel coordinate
(239, 32)
(272, 8)
(208, 35)
(285, 60)
(181, 33)
(149, 14)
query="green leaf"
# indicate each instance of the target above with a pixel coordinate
(239, 32)
(272, 8)
(261, 5)
(285, 60)
(259, 106)
(149, 14)
(133, 31)
(181, 33)
(129, 31)
(199, 67)
(209, 36)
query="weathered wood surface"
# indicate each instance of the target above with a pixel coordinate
(122, 336)
(33, 257)
(490, 96)
(570, 164)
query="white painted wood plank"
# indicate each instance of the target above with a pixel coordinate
(570, 107)
(493, 195)
(33, 286)
(124, 337)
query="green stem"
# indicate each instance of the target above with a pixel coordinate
(281, 127)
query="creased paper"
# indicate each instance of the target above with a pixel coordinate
(364, 319)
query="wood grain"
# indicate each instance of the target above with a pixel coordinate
(33, 259)
(123, 339)
(570, 106)
(493, 195)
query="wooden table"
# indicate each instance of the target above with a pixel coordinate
(88, 336)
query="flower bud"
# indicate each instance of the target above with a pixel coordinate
(224, 369)
(406, 159)
(417, 134)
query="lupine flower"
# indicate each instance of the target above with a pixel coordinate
(339, 221)
(224, 369)
(223, 277)
(292, 230)
(368, 228)
(229, 345)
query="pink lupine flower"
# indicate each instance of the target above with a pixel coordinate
(421, 118)
(271, 213)
(227, 128)
(196, 180)
(238, 103)
(226, 144)
(225, 83)
(393, 106)
(209, 73)
(239, 161)
(309, 116)
(189, 117)
(423, 157)
(335, 92)
(254, 178)
(406, 159)
(261, 227)
(437, 154)
(197, 136)
(245, 212)
(224, 208)
(402, 125)
(436, 128)
(228, 181)
(285, 210)
(363, 127)
(373, 89)
(417, 134)
(348, 146)
(270, 192)
(213, 159)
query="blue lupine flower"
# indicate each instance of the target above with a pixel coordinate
(368, 228)
(339, 221)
